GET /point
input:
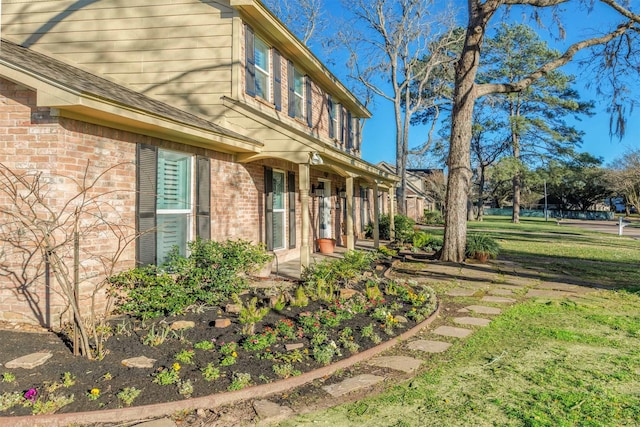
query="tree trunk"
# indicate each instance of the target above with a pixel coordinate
(459, 161)
(480, 203)
(517, 186)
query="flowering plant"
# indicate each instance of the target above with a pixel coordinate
(31, 395)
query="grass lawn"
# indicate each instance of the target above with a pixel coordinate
(540, 363)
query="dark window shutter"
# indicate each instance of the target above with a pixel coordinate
(203, 198)
(343, 123)
(291, 184)
(292, 89)
(268, 207)
(349, 131)
(277, 80)
(332, 130)
(309, 100)
(250, 61)
(146, 183)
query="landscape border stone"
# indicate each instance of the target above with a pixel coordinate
(214, 400)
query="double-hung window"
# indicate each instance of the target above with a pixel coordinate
(334, 118)
(296, 84)
(174, 208)
(173, 203)
(262, 69)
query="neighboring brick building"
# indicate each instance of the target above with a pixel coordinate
(205, 118)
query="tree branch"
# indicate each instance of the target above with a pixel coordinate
(566, 57)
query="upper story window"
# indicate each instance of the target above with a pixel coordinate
(263, 75)
(334, 118)
(262, 69)
(296, 93)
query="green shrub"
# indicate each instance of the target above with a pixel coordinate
(209, 275)
(426, 241)
(482, 243)
(322, 278)
(403, 228)
(432, 217)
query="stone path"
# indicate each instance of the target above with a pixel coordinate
(495, 290)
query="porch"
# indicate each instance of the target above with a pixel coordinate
(291, 269)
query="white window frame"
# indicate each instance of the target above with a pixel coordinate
(299, 96)
(335, 119)
(260, 71)
(282, 210)
(189, 212)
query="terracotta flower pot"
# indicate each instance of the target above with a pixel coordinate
(326, 246)
(481, 256)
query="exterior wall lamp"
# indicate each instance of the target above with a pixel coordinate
(316, 159)
(318, 190)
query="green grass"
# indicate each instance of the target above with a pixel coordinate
(552, 364)
(560, 363)
(603, 259)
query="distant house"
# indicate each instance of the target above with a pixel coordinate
(417, 198)
(215, 120)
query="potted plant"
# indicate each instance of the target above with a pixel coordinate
(326, 245)
(344, 234)
(482, 247)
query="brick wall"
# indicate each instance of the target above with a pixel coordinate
(32, 142)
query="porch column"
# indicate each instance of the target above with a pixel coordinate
(376, 216)
(305, 247)
(392, 213)
(350, 237)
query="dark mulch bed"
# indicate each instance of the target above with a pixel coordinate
(129, 343)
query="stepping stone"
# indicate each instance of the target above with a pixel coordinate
(233, 308)
(162, 422)
(347, 293)
(293, 346)
(547, 293)
(352, 384)
(29, 361)
(429, 346)
(461, 292)
(139, 362)
(222, 323)
(474, 321)
(480, 309)
(271, 412)
(180, 325)
(497, 299)
(397, 363)
(501, 292)
(558, 286)
(451, 331)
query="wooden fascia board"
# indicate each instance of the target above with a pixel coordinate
(269, 26)
(76, 105)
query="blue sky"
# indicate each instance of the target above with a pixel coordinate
(379, 131)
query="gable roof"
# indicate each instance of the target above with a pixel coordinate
(87, 85)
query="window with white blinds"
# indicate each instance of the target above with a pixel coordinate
(174, 202)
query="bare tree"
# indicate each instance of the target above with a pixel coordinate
(467, 91)
(395, 52)
(302, 17)
(51, 230)
(624, 178)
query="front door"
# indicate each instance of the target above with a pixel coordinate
(324, 213)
